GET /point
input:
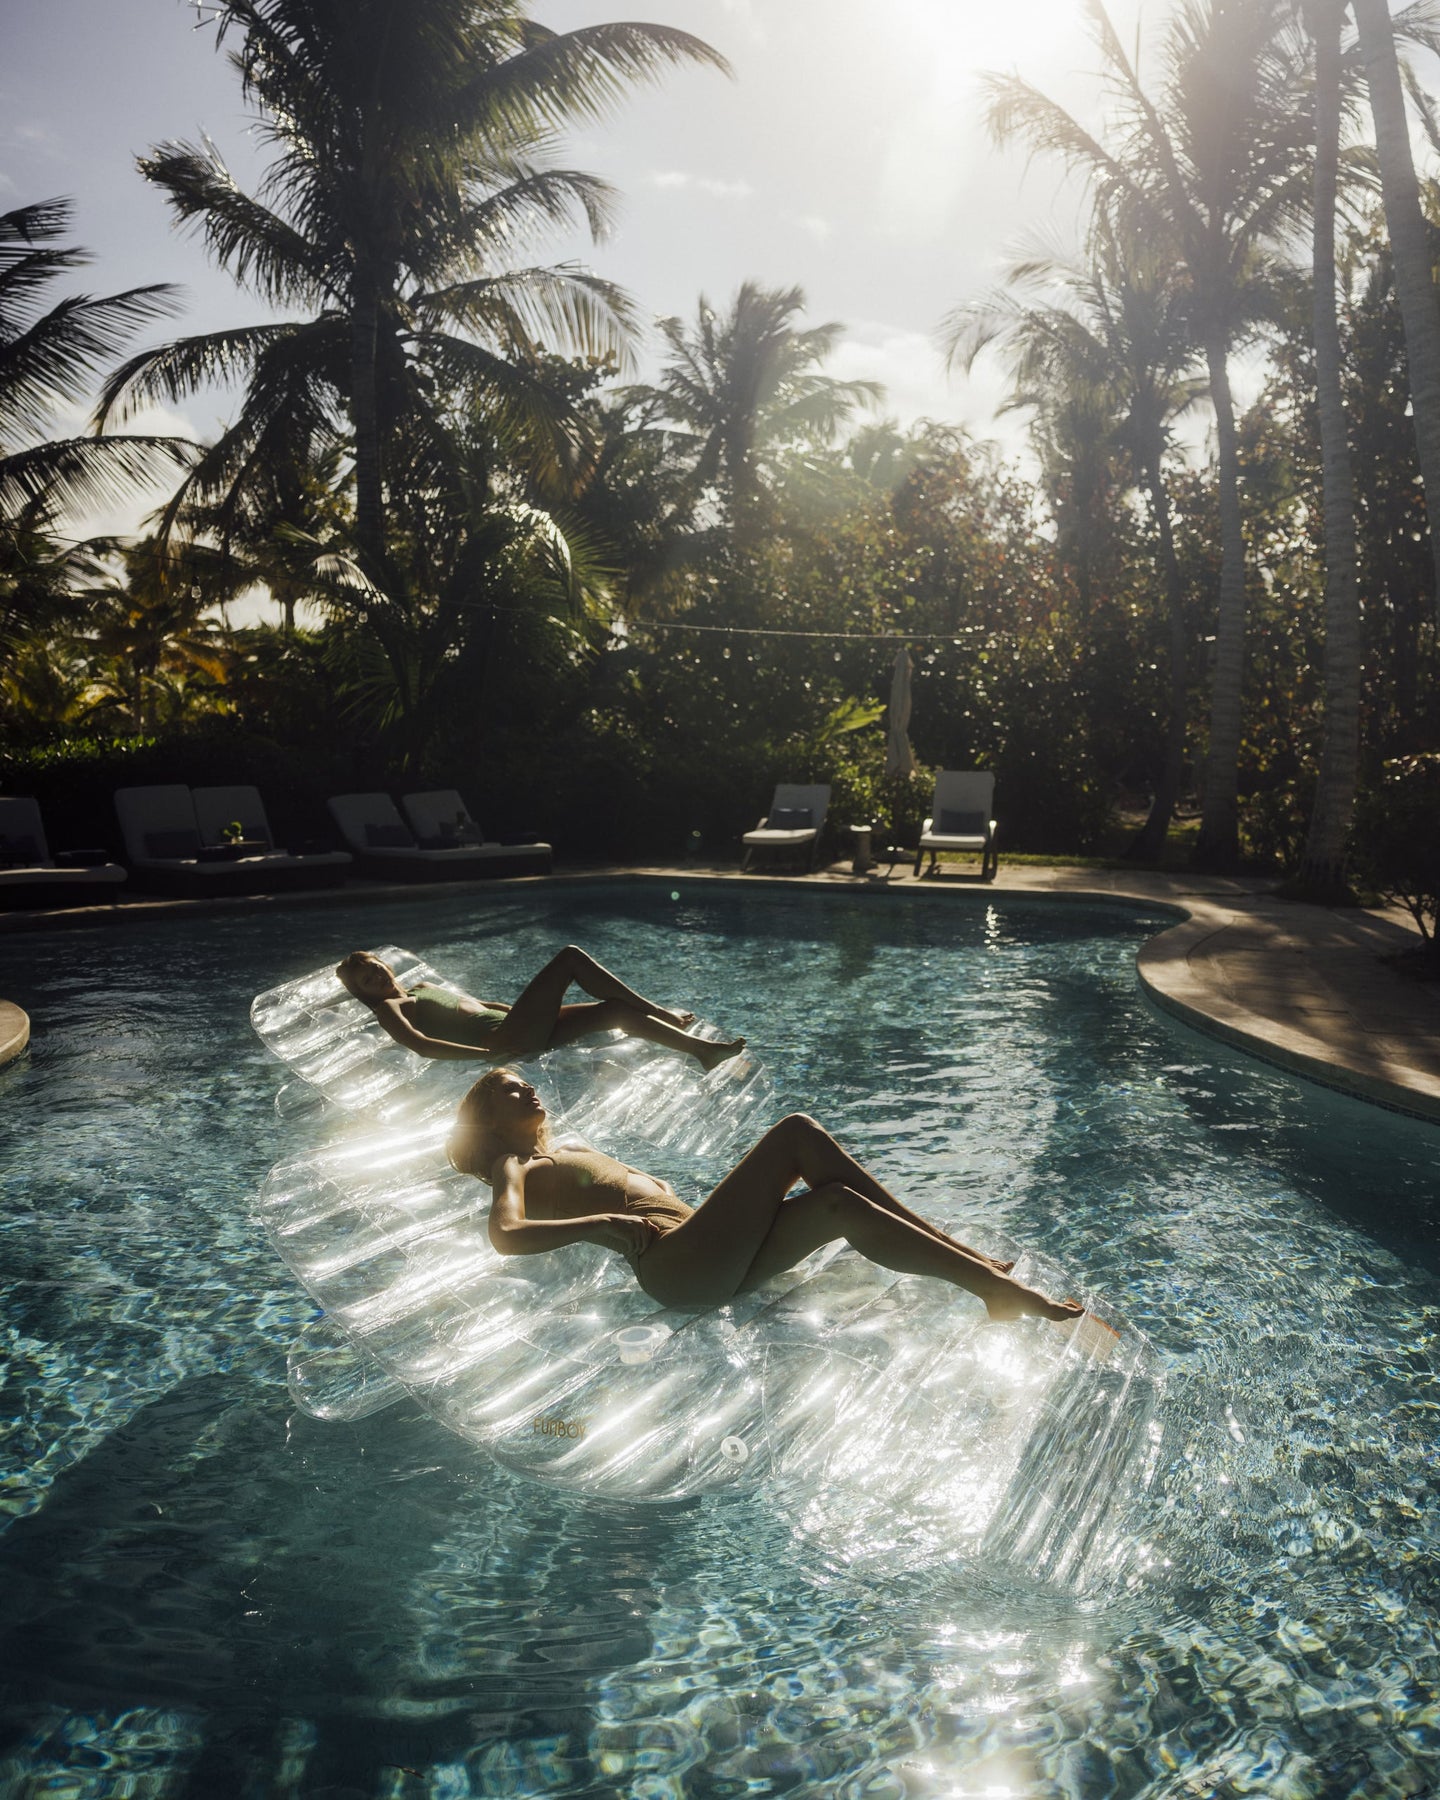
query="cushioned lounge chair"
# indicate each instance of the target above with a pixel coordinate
(960, 821)
(218, 807)
(792, 826)
(167, 854)
(385, 846)
(441, 820)
(30, 876)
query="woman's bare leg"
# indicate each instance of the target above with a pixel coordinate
(747, 1230)
(530, 1024)
(597, 981)
(821, 1215)
(703, 1261)
(614, 1015)
(819, 1159)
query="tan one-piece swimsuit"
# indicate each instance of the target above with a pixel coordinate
(618, 1188)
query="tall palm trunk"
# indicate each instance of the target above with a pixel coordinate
(1219, 842)
(1322, 869)
(1149, 841)
(365, 418)
(1410, 245)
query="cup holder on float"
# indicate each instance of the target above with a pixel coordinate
(639, 1343)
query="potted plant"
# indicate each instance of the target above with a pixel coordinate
(231, 846)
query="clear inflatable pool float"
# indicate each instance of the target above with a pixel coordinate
(622, 1088)
(889, 1426)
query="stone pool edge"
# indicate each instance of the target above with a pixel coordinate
(14, 1031)
(1169, 977)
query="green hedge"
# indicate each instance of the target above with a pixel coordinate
(74, 780)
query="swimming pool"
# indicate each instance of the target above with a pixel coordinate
(206, 1593)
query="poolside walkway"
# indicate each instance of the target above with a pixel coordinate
(1300, 986)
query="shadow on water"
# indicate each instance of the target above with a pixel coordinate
(215, 1560)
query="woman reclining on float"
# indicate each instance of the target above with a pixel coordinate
(433, 1021)
(750, 1228)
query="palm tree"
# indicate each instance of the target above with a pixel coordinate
(286, 531)
(1409, 244)
(47, 682)
(1112, 335)
(1073, 432)
(153, 628)
(881, 455)
(409, 137)
(48, 359)
(1322, 871)
(1214, 172)
(744, 386)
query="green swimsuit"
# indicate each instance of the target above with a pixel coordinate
(438, 1014)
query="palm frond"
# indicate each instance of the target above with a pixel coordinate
(172, 371)
(262, 250)
(38, 223)
(523, 409)
(534, 198)
(79, 474)
(579, 311)
(55, 360)
(561, 77)
(288, 415)
(24, 276)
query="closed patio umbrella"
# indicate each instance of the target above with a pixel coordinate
(899, 757)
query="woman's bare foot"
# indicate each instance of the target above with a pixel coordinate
(1000, 1268)
(1016, 1302)
(712, 1055)
(673, 1015)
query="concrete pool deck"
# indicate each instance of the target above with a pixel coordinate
(1299, 986)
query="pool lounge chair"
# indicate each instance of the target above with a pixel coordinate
(31, 877)
(168, 855)
(960, 821)
(441, 820)
(218, 807)
(386, 847)
(793, 824)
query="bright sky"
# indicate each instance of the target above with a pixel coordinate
(847, 156)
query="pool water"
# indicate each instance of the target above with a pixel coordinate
(204, 1592)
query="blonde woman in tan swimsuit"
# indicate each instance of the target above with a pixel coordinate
(751, 1227)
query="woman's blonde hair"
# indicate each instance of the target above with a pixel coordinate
(356, 963)
(473, 1145)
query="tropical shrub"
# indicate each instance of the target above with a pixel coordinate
(1396, 840)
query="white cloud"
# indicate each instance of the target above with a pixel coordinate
(679, 181)
(34, 134)
(745, 14)
(912, 370)
(820, 229)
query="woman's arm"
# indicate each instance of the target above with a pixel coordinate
(512, 1234)
(396, 1025)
